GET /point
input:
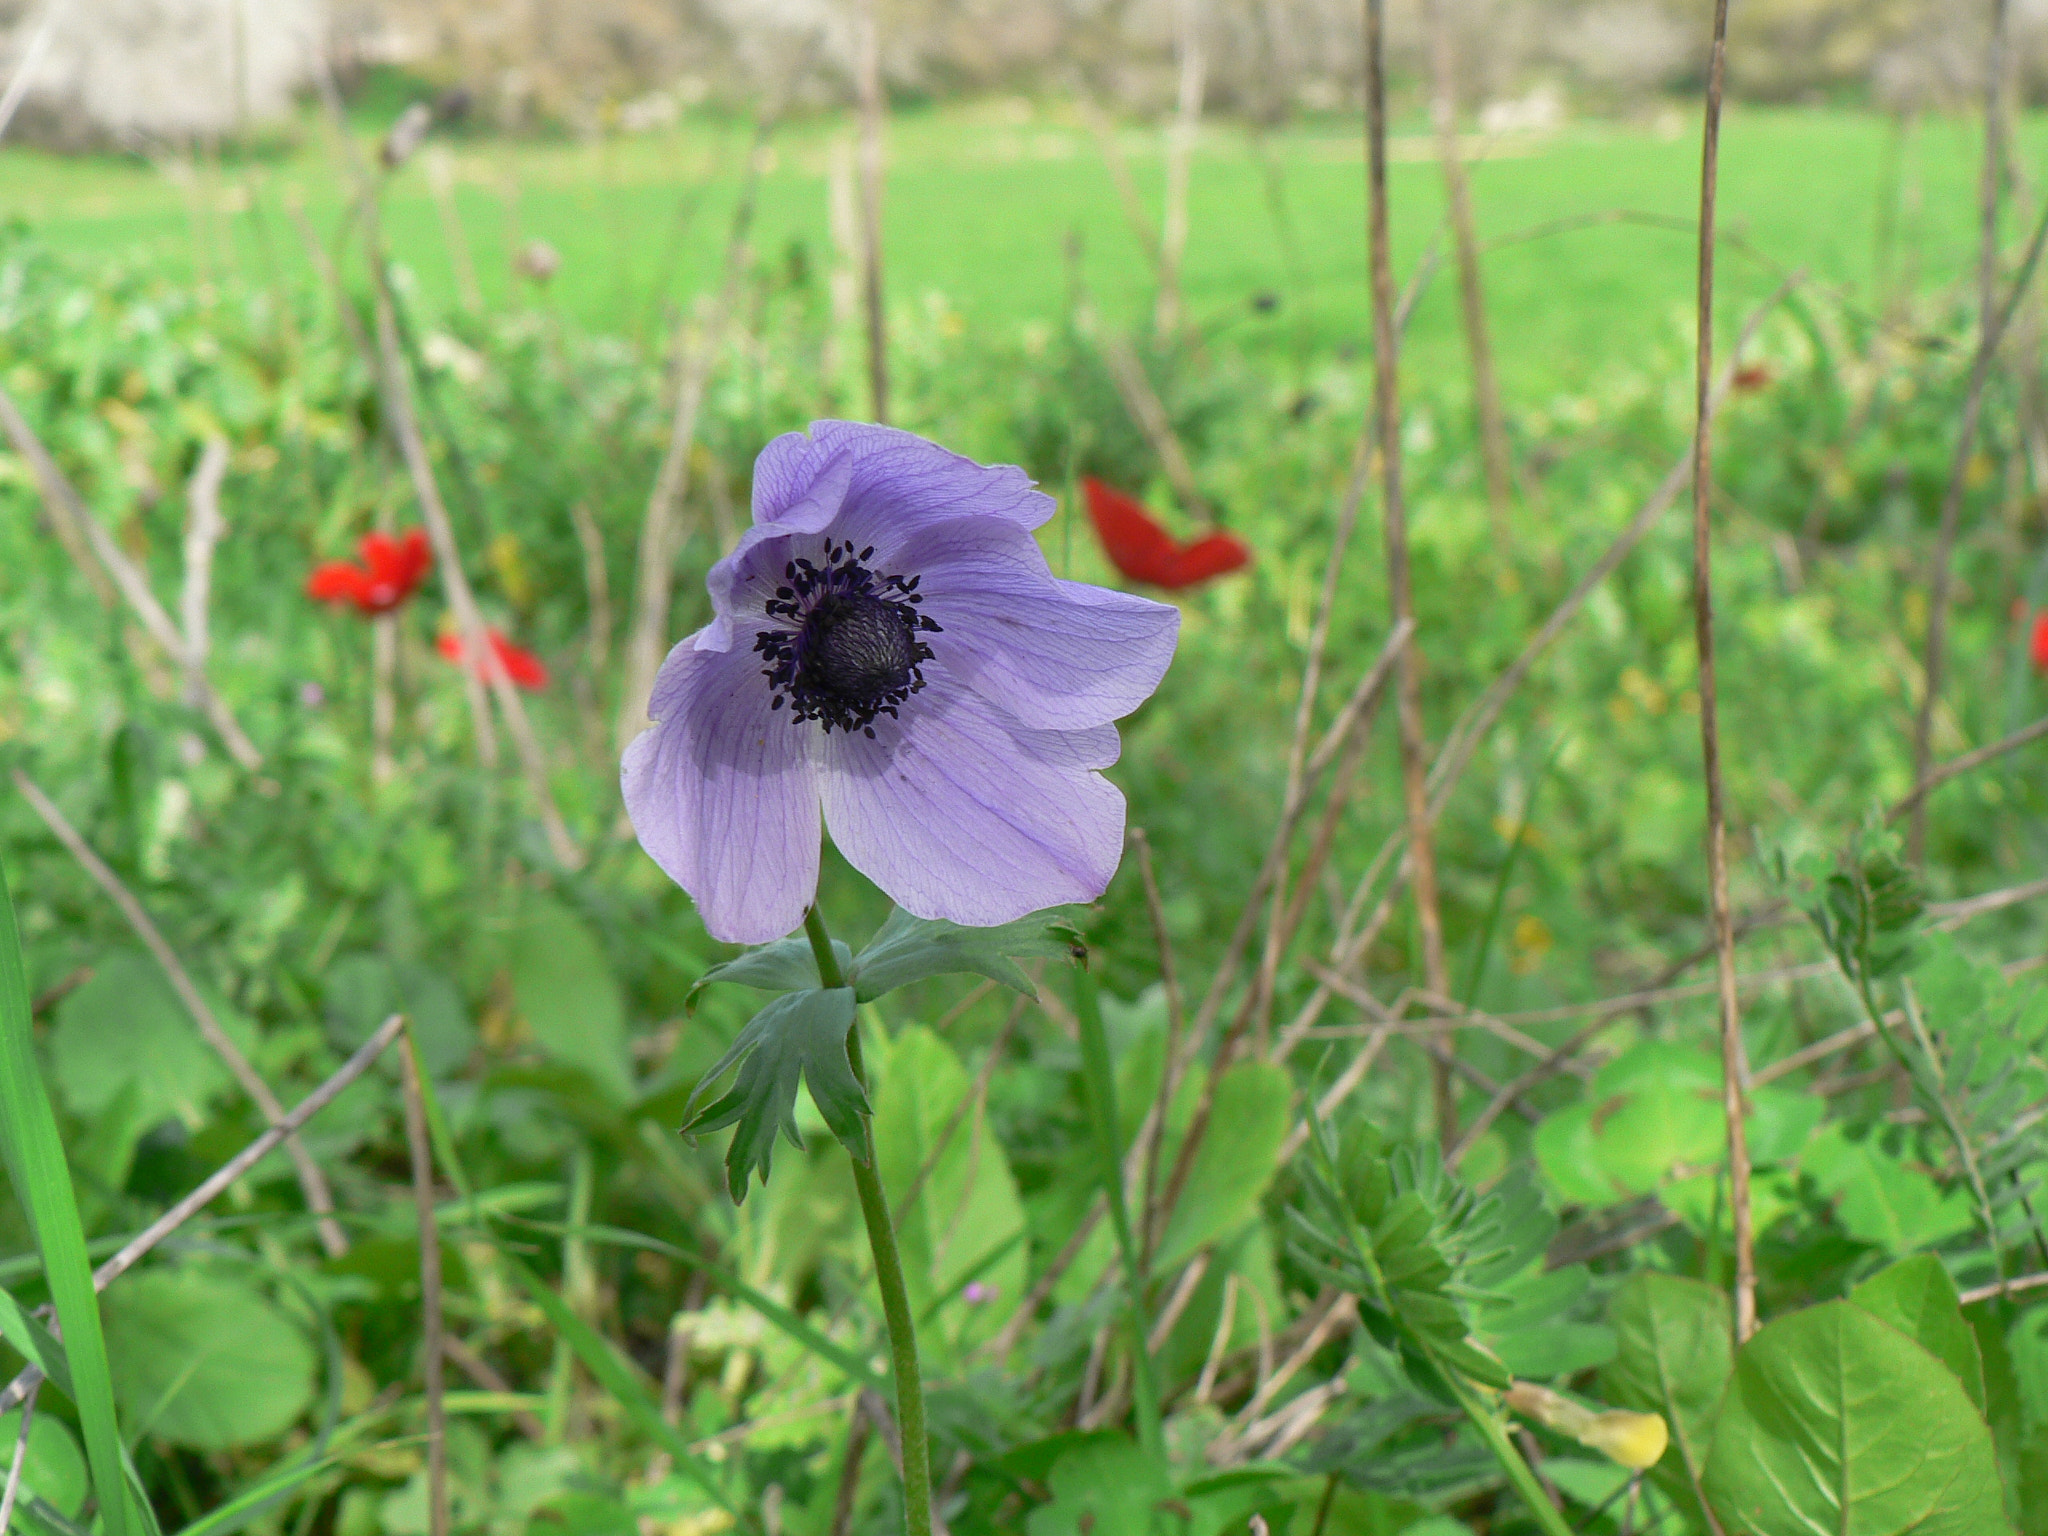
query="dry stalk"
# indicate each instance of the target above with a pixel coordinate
(1931, 779)
(1990, 324)
(1387, 414)
(19, 1462)
(1149, 413)
(311, 1180)
(432, 1343)
(1734, 1059)
(109, 563)
(1112, 153)
(204, 528)
(1180, 149)
(867, 66)
(1146, 1143)
(479, 655)
(138, 1246)
(660, 538)
(1486, 408)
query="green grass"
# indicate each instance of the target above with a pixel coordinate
(982, 199)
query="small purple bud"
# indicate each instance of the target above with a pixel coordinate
(976, 1292)
(312, 695)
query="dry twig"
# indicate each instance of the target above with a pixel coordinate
(311, 1180)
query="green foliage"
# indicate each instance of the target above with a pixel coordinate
(1837, 1421)
(800, 1037)
(912, 949)
(202, 1359)
(1673, 1356)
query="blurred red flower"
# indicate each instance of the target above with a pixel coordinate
(524, 668)
(2039, 647)
(1141, 550)
(1751, 377)
(391, 571)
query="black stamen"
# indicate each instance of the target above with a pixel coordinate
(852, 650)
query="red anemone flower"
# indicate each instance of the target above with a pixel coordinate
(524, 668)
(2039, 647)
(391, 570)
(1141, 550)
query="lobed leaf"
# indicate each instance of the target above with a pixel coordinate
(800, 1036)
(909, 949)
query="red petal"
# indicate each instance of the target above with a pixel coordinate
(524, 668)
(2041, 642)
(337, 582)
(396, 567)
(1206, 558)
(1137, 546)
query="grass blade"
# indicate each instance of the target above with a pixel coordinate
(42, 1182)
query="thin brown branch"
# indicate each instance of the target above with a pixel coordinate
(18, 1463)
(1932, 779)
(486, 1376)
(431, 1346)
(1180, 150)
(867, 69)
(1119, 171)
(1486, 408)
(698, 348)
(204, 527)
(111, 563)
(1472, 726)
(311, 1180)
(1990, 325)
(1979, 1293)
(133, 1251)
(857, 1433)
(479, 655)
(1734, 1060)
(1148, 412)
(1387, 415)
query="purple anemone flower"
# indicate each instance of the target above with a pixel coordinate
(889, 655)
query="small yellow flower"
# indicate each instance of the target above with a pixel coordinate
(1635, 1440)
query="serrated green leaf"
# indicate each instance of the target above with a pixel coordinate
(801, 1036)
(1835, 1421)
(787, 965)
(1917, 1297)
(911, 949)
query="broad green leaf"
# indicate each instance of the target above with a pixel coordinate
(1673, 1355)
(912, 949)
(42, 1183)
(1103, 1485)
(966, 1205)
(787, 965)
(363, 990)
(567, 994)
(205, 1361)
(1881, 1199)
(1237, 1159)
(1917, 1297)
(798, 1036)
(125, 1030)
(54, 1470)
(1836, 1422)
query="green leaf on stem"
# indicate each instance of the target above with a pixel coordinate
(1835, 1421)
(801, 1036)
(787, 965)
(1917, 1297)
(909, 949)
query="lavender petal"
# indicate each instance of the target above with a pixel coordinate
(1049, 653)
(724, 793)
(957, 812)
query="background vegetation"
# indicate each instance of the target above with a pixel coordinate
(626, 1349)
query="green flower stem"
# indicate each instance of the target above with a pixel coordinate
(1098, 1078)
(1488, 1422)
(874, 1208)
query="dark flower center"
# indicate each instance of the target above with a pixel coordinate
(851, 650)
